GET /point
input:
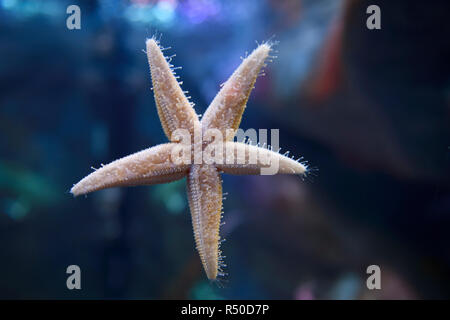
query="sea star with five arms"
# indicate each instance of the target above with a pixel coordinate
(204, 185)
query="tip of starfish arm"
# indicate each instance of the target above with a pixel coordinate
(152, 43)
(262, 50)
(266, 46)
(79, 189)
(267, 49)
(75, 191)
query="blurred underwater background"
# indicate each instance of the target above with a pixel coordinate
(369, 108)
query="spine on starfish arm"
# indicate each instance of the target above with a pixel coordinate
(225, 111)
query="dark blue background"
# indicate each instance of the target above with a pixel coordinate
(369, 108)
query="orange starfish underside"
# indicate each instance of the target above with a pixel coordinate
(204, 186)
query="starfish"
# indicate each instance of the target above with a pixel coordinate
(204, 185)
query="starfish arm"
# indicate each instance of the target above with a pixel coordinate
(204, 188)
(149, 166)
(225, 111)
(174, 109)
(252, 160)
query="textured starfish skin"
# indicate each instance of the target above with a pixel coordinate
(149, 166)
(243, 153)
(205, 201)
(204, 186)
(225, 111)
(174, 109)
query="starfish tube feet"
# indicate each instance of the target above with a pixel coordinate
(205, 201)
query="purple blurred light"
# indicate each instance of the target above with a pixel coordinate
(198, 11)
